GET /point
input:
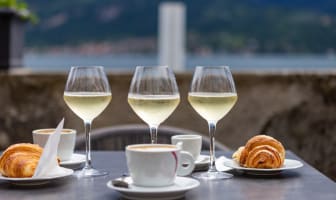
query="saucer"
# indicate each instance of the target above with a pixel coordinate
(289, 164)
(202, 160)
(175, 191)
(202, 163)
(75, 162)
(37, 181)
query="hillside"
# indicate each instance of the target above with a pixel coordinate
(304, 26)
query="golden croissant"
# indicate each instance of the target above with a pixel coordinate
(261, 151)
(20, 160)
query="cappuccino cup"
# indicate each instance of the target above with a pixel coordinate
(66, 144)
(190, 143)
(156, 165)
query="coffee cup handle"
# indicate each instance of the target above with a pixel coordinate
(186, 164)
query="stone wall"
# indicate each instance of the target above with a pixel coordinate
(296, 108)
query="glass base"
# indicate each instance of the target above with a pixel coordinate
(90, 172)
(212, 175)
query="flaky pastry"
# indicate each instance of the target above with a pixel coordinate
(261, 151)
(20, 160)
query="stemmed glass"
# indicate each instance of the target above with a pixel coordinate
(212, 95)
(153, 95)
(87, 93)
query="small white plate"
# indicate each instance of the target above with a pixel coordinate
(288, 165)
(75, 162)
(37, 181)
(202, 163)
(175, 191)
(202, 160)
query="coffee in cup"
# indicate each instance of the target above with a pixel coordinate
(156, 165)
(190, 143)
(66, 144)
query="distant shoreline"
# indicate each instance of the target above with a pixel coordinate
(148, 45)
(127, 62)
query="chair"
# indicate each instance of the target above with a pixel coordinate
(117, 137)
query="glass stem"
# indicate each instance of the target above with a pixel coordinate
(87, 126)
(153, 134)
(212, 130)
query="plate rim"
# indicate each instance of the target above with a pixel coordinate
(134, 197)
(69, 162)
(195, 184)
(68, 172)
(205, 157)
(237, 167)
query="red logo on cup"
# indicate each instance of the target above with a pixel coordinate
(175, 157)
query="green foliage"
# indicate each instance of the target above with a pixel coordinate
(21, 8)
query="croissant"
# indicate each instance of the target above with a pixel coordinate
(236, 155)
(20, 160)
(261, 151)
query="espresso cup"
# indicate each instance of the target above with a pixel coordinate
(66, 144)
(190, 143)
(156, 165)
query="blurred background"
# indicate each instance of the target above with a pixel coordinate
(250, 34)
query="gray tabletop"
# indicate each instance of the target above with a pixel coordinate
(303, 183)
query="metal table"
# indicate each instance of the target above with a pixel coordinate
(304, 183)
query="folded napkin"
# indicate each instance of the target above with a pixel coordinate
(220, 164)
(48, 166)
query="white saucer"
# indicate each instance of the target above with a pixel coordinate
(289, 164)
(75, 162)
(37, 181)
(202, 160)
(178, 190)
(202, 163)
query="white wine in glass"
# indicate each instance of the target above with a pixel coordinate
(153, 109)
(212, 95)
(153, 96)
(87, 105)
(87, 93)
(212, 106)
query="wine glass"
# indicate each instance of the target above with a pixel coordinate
(153, 95)
(212, 95)
(87, 93)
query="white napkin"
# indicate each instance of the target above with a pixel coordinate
(220, 164)
(48, 166)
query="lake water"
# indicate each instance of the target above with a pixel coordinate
(127, 62)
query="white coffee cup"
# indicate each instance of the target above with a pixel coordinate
(190, 143)
(156, 165)
(66, 144)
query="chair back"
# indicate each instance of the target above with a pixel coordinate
(118, 137)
